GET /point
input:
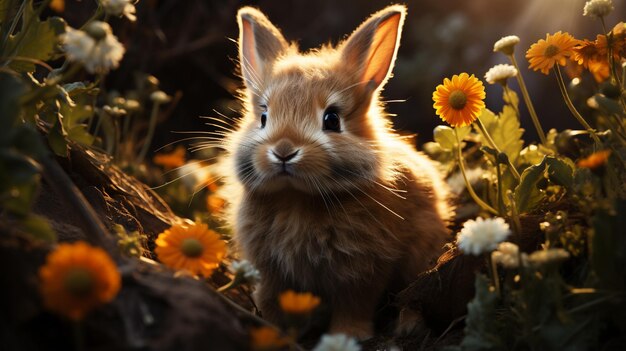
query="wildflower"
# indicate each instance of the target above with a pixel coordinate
(57, 5)
(298, 303)
(585, 52)
(96, 48)
(337, 342)
(244, 270)
(506, 255)
(500, 73)
(595, 160)
(598, 8)
(114, 111)
(267, 338)
(215, 204)
(600, 70)
(459, 101)
(194, 248)
(482, 235)
(602, 45)
(506, 45)
(76, 278)
(119, 8)
(159, 97)
(556, 48)
(456, 182)
(542, 257)
(171, 160)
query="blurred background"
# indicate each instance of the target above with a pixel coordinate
(188, 45)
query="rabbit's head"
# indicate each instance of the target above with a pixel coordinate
(313, 121)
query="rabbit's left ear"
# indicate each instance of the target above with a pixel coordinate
(372, 48)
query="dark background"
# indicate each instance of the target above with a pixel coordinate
(188, 45)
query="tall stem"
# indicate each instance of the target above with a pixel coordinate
(151, 128)
(571, 107)
(469, 187)
(495, 147)
(529, 104)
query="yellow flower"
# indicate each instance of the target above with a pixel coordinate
(584, 52)
(459, 101)
(602, 46)
(556, 48)
(298, 303)
(267, 338)
(600, 70)
(57, 5)
(77, 278)
(174, 159)
(214, 203)
(194, 248)
(595, 160)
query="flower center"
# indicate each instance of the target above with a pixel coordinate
(551, 50)
(78, 282)
(192, 247)
(457, 100)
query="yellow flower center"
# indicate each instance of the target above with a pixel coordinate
(78, 282)
(551, 50)
(457, 100)
(191, 247)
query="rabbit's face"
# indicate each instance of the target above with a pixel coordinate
(307, 128)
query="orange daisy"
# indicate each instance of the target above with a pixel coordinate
(459, 101)
(603, 46)
(595, 160)
(194, 248)
(298, 303)
(214, 203)
(171, 160)
(556, 48)
(600, 70)
(76, 278)
(267, 338)
(584, 52)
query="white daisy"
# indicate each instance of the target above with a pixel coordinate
(119, 8)
(598, 8)
(482, 235)
(506, 45)
(96, 47)
(506, 255)
(337, 342)
(500, 73)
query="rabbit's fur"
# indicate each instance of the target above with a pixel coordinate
(351, 209)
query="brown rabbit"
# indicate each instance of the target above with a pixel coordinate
(326, 198)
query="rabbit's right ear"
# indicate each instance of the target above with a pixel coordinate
(260, 43)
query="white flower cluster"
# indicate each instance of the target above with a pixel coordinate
(507, 255)
(506, 45)
(598, 8)
(500, 73)
(337, 342)
(96, 47)
(120, 8)
(482, 235)
(244, 269)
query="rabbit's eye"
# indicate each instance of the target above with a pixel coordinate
(331, 120)
(263, 116)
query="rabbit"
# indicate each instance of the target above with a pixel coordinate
(324, 196)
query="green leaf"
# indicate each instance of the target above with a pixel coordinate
(481, 324)
(444, 135)
(38, 228)
(36, 40)
(510, 98)
(504, 130)
(528, 193)
(12, 89)
(75, 113)
(56, 139)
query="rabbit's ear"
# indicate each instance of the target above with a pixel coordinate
(260, 43)
(372, 48)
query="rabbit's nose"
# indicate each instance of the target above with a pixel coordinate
(285, 158)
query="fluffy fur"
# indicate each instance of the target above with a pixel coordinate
(354, 209)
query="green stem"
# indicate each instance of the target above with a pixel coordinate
(529, 104)
(151, 128)
(571, 107)
(16, 19)
(517, 225)
(470, 189)
(494, 274)
(507, 91)
(95, 16)
(500, 195)
(493, 145)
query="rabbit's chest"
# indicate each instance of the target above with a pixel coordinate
(301, 238)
